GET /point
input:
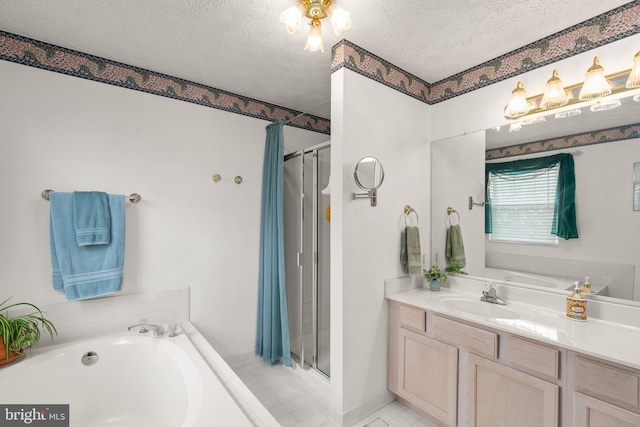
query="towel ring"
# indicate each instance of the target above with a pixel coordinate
(452, 211)
(407, 210)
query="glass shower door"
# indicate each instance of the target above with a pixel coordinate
(306, 228)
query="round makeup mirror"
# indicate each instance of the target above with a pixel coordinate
(369, 173)
(368, 176)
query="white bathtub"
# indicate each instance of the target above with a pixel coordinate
(536, 280)
(528, 278)
(138, 381)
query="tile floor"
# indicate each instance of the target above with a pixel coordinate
(301, 398)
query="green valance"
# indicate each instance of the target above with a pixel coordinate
(564, 216)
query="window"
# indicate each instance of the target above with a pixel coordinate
(522, 206)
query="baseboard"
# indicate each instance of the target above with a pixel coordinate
(361, 411)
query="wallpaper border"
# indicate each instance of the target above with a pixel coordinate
(47, 56)
(619, 133)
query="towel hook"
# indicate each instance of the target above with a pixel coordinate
(133, 197)
(407, 210)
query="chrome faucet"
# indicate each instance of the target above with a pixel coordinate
(157, 330)
(491, 296)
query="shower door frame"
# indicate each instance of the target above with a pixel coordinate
(301, 358)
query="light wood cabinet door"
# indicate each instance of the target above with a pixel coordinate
(503, 397)
(590, 412)
(428, 375)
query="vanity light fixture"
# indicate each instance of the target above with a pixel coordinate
(595, 84)
(554, 95)
(598, 92)
(605, 105)
(518, 105)
(633, 81)
(316, 10)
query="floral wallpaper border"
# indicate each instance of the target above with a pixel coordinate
(608, 27)
(46, 56)
(572, 141)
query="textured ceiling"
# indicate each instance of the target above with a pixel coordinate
(241, 46)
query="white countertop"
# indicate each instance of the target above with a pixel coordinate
(607, 340)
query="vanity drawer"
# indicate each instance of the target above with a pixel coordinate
(533, 357)
(474, 339)
(412, 318)
(607, 382)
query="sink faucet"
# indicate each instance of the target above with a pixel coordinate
(491, 296)
(157, 330)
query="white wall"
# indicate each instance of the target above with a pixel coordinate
(456, 174)
(67, 134)
(370, 119)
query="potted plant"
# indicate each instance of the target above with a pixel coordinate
(20, 332)
(435, 276)
(455, 267)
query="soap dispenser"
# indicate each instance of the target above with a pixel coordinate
(586, 286)
(576, 305)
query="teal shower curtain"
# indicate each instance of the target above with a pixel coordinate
(272, 335)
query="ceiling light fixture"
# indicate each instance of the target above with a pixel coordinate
(316, 10)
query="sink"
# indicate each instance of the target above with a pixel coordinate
(479, 308)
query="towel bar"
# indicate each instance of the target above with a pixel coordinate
(133, 197)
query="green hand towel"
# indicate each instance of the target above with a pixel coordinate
(410, 255)
(454, 250)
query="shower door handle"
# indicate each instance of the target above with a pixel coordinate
(299, 259)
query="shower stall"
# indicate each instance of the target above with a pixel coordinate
(306, 245)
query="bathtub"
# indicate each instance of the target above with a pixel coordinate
(536, 280)
(137, 381)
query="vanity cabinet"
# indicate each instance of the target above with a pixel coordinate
(428, 375)
(459, 374)
(499, 396)
(604, 394)
(465, 374)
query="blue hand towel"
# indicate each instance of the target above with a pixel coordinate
(84, 272)
(91, 218)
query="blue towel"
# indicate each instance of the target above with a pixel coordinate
(91, 218)
(83, 272)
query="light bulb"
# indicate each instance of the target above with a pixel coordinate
(340, 18)
(314, 41)
(634, 77)
(292, 17)
(554, 95)
(518, 105)
(595, 83)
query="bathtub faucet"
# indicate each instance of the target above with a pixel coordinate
(157, 330)
(491, 296)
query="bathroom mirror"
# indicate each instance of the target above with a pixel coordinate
(368, 175)
(604, 152)
(636, 186)
(606, 173)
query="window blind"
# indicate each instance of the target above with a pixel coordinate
(522, 206)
